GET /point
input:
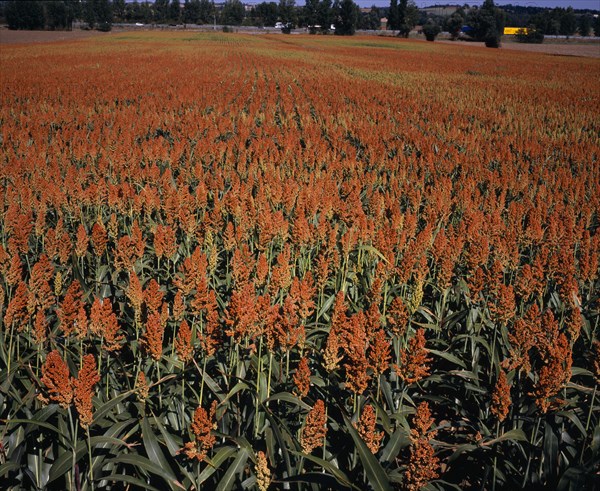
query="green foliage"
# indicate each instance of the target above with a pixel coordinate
(455, 22)
(568, 23)
(529, 35)
(98, 14)
(346, 19)
(287, 12)
(370, 20)
(25, 14)
(233, 13)
(393, 22)
(431, 29)
(487, 23)
(584, 24)
(265, 14)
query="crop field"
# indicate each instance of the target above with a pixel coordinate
(295, 262)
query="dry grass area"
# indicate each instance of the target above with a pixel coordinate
(557, 48)
(8, 36)
(591, 50)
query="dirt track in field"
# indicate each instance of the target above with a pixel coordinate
(28, 37)
(591, 50)
(573, 48)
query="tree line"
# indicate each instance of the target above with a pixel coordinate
(318, 16)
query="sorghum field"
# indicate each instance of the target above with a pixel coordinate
(293, 262)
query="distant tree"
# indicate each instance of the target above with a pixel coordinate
(529, 35)
(287, 12)
(455, 22)
(161, 11)
(325, 15)
(104, 14)
(174, 11)
(431, 29)
(207, 12)
(392, 20)
(310, 14)
(487, 23)
(568, 23)
(408, 16)
(118, 9)
(585, 24)
(597, 26)
(266, 14)
(146, 12)
(402, 26)
(346, 18)
(60, 15)
(191, 12)
(233, 13)
(25, 15)
(370, 20)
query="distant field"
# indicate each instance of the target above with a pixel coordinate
(297, 262)
(573, 47)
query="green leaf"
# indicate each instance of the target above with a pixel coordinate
(213, 464)
(235, 468)
(287, 397)
(107, 407)
(398, 441)
(449, 357)
(467, 447)
(324, 481)
(517, 435)
(340, 476)
(153, 450)
(550, 448)
(129, 480)
(9, 467)
(237, 388)
(147, 465)
(35, 424)
(169, 440)
(65, 462)
(375, 473)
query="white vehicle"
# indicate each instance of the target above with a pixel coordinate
(279, 25)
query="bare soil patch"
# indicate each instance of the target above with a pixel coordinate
(8, 36)
(591, 50)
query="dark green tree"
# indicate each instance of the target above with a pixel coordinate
(370, 20)
(287, 12)
(266, 14)
(161, 11)
(346, 18)
(568, 23)
(402, 6)
(529, 35)
(597, 26)
(455, 22)
(174, 11)
(233, 13)
(25, 15)
(487, 23)
(60, 15)
(431, 29)
(118, 8)
(325, 15)
(584, 24)
(191, 12)
(310, 14)
(392, 19)
(408, 16)
(207, 12)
